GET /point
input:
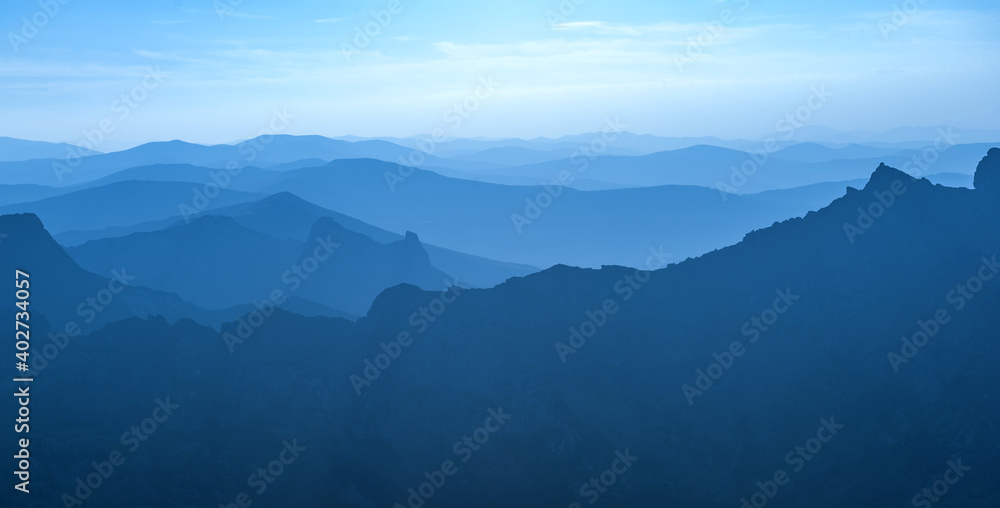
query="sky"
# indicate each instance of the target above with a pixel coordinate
(219, 71)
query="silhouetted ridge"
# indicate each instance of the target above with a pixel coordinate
(24, 222)
(987, 177)
(885, 175)
(25, 234)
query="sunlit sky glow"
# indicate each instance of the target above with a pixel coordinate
(224, 75)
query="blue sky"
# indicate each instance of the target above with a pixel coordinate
(561, 67)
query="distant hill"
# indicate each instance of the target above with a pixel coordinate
(753, 171)
(286, 216)
(23, 193)
(122, 204)
(578, 228)
(815, 152)
(12, 149)
(62, 293)
(216, 263)
(262, 151)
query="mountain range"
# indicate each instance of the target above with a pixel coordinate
(846, 354)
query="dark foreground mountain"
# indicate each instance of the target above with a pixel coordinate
(74, 301)
(846, 358)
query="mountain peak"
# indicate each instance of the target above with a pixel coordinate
(885, 175)
(987, 177)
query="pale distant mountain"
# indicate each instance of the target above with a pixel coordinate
(22, 193)
(12, 149)
(286, 216)
(263, 151)
(905, 135)
(124, 204)
(216, 263)
(815, 152)
(748, 172)
(584, 228)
